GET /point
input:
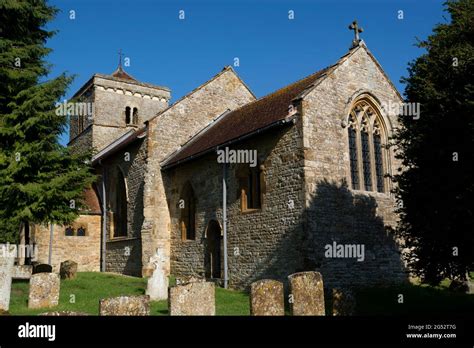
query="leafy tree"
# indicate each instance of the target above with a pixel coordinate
(40, 180)
(435, 189)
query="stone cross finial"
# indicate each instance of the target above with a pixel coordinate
(355, 27)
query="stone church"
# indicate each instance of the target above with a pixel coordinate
(320, 179)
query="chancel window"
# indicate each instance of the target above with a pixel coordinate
(378, 157)
(187, 205)
(353, 153)
(368, 156)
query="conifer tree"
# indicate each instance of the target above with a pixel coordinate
(40, 180)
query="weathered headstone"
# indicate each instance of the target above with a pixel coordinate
(125, 305)
(189, 279)
(22, 271)
(306, 293)
(7, 260)
(157, 286)
(192, 299)
(68, 269)
(343, 302)
(267, 298)
(44, 290)
(42, 268)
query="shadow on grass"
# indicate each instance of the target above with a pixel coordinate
(412, 300)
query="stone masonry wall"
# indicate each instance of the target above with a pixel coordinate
(335, 212)
(84, 250)
(123, 254)
(111, 99)
(266, 243)
(166, 133)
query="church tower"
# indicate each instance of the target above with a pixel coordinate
(108, 106)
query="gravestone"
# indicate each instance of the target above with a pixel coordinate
(44, 290)
(42, 268)
(306, 293)
(22, 271)
(68, 269)
(7, 260)
(343, 302)
(157, 286)
(125, 305)
(189, 279)
(266, 298)
(192, 299)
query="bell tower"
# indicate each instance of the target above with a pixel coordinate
(108, 106)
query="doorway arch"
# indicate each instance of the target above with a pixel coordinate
(213, 252)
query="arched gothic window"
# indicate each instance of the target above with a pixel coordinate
(120, 213)
(188, 213)
(368, 156)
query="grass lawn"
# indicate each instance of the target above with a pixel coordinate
(83, 294)
(89, 287)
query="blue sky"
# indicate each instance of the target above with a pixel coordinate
(273, 50)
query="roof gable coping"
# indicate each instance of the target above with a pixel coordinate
(227, 68)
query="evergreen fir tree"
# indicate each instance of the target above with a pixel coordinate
(40, 180)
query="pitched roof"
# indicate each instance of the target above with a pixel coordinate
(245, 120)
(121, 74)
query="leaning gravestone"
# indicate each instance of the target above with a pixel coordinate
(157, 287)
(192, 299)
(68, 269)
(6, 272)
(343, 302)
(42, 268)
(266, 298)
(44, 290)
(306, 293)
(125, 305)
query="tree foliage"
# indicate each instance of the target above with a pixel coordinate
(40, 180)
(435, 189)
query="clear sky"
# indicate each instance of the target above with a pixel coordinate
(273, 50)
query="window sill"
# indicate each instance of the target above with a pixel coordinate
(371, 193)
(120, 239)
(250, 211)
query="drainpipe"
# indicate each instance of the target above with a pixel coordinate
(104, 219)
(224, 221)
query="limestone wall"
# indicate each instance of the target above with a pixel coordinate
(124, 253)
(335, 212)
(85, 250)
(166, 133)
(266, 243)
